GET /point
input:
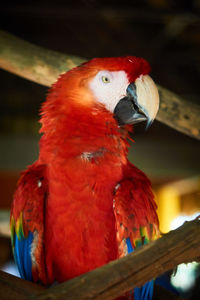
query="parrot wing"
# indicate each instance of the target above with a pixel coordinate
(27, 223)
(136, 218)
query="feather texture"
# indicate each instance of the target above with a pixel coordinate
(82, 200)
(137, 221)
(27, 224)
(22, 255)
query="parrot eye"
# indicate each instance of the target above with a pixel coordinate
(105, 79)
(109, 87)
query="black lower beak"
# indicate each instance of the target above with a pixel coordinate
(127, 110)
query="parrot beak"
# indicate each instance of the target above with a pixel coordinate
(140, 104)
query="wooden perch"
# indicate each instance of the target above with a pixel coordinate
(117, 277)
(120, 276)
(12, 287)
(43, 66)
(32, 62)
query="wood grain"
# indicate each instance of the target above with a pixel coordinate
(12, 287)
(120, 276)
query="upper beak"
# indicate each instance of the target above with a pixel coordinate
(140, 104)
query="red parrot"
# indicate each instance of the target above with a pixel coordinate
(82, 204)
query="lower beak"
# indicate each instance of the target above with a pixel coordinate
(140, 104)
(126, 112)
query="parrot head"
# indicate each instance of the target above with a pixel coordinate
(118, 89)
(124, 87)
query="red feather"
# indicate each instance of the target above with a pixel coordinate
(84, 152)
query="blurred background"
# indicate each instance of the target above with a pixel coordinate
(167, 34)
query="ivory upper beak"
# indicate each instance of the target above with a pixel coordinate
(147, 97)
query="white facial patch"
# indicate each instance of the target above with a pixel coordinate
(34, 246)
(109, 87)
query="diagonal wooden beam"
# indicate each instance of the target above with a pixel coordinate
(44, 66)
(32, 62)
(12, 287)
(144, 264)
(178, 113)
(116, 278)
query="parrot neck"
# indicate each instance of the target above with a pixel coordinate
(85, 158)
(86, 150)
(91, 135)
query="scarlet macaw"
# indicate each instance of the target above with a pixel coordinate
(82, 203)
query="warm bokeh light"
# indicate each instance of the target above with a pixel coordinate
(176, 199)
(185, 276)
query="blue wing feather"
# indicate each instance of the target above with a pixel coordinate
(17, 256)
(146, 291)
(129, 245)
(22, 255)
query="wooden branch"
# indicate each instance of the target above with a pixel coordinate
(12, 287)
(120, 276)
(32, 62)
(178, 113)
(44, 66)
(117, 277)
